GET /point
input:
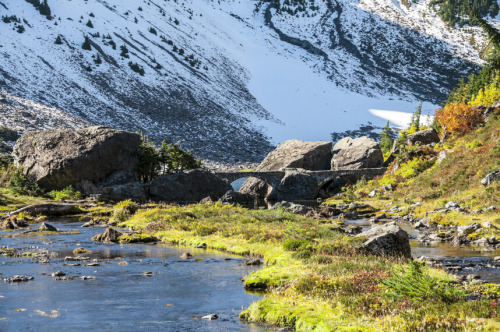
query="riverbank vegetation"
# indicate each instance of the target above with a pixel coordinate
(314, 278)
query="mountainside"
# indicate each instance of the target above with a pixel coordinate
(230, 78)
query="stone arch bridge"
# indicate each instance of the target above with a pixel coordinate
(309, 183)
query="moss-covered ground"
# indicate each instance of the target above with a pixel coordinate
(314, 278)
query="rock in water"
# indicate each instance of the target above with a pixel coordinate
(58, 158)
(110, 235)
(19, 278)
(210, 317)
(189, 186)
(423, 137)
(356, 153)
(312, 156)
(386, 240)
(47, 228)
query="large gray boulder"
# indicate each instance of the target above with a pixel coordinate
(356, 153)
(386, 240)
(313, 156)
(187, 187)
(58, 158)
(296, 185)
(423, 137)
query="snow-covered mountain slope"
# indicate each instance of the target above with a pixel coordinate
(228, 78)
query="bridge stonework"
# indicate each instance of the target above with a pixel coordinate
(275, 178)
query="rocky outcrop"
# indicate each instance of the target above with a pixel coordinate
(189, 187)
(311, 156)
(423, 137)
(386, 240)
(356, 153)
(56, 159)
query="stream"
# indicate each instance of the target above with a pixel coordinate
(467, 260)
(118, 295)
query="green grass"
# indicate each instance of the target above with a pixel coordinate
(314, 278)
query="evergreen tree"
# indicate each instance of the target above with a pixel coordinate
(416, 117)
(385, 139)
(58, 40)
(89, 24)
(86, 44)
(98, 60)
(124, 51)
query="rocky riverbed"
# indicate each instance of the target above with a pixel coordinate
(60, 280)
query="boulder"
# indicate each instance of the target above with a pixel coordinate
(58, 158)
(295, 186)
(293, 208)
(235, 197)
(423, 137)
(188, 187)
(488, 179)
(312, 156)
(110, 235)
(356, 153)
(135, 191)
(386, 240)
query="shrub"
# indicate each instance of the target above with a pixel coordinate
(68, 193)
(136, 68)
(21, 186)
(474, 144)
(293, 245)
(413, 167)
(123, 210)
(487, 96)
(458, 118)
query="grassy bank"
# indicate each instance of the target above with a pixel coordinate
(314, 278)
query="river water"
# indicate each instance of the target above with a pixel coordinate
(120, 298)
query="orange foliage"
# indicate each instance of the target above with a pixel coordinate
(459, 118)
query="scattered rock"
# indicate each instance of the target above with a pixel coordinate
(96, 222)
(442, 156)
(452, 205)
(210, 317)
(186, 255)
(488, 225)
(47, 228)
(19, 278)
(58, 274)
(79, 251)
(386, 240)
(356, 153)
(110, 235)
(423, 137)
(147, 274)
(490, 208)
(488, 179)
(252, 261)
(387, 187)
(374, 193)
(467, 230)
